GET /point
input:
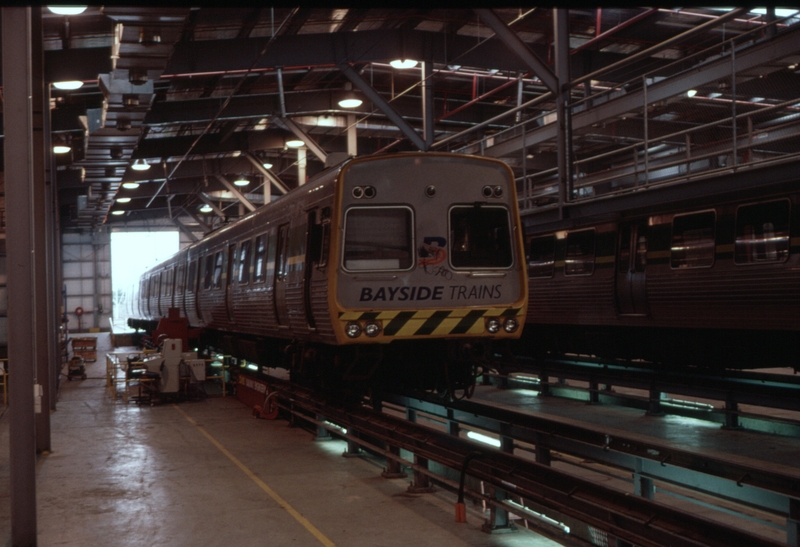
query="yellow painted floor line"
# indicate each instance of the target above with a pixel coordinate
(270, 492)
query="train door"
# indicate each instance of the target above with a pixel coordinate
(281, 271)
(631, 262)
(229, 280)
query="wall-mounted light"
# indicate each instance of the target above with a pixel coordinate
(241, 181)
(403, 63)
(68, 85)
(67, 10)
(130, 185)
(123, 200)
(140, 165)
(206, 208)
(294, 143)
(118, 212)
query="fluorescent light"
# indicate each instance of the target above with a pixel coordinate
(296, 143)
(61, 149)
(118, 212)
(68, 85)
(206, 208)
(123, 200)
(483, 438)
(350, 102)
(403, 63)
(67, 10)
(130, 185)
(140, 165)
(241, 181)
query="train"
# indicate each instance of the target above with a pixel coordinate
(403, 269)
(712, 283)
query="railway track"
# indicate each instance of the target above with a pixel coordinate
(416, 430)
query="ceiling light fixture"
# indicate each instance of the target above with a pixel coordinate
(140, 165)
(350, 101)
(67, 10)
(691, 93)
(267, 165)
(295, 143)
(403, 63)
(68, 85)
(241, 181)
(130, 185)
(206, 208)
(118, 212)
(61, 148)
(123, 200)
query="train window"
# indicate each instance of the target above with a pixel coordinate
(762, 233)
(378, 238)
(180, 280)
(481, 237)
(542, 256)
(170, 279)
(326, 237)
(580, 253)
(261, 247)
(163, 282)
(244, 262)
(693, 244)
(192, 277)
(208, 270)
(218, 270)
(282, 265)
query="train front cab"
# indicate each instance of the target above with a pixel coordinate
(428, 247)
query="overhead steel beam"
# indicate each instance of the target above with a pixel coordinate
(210, 144)
(202, 223)
(519, 48)
(269, 175)
(221, 56)
(704, 73)
(383, 106)
(236, 193)
(183, 228)
(306, 138)
(208, 201)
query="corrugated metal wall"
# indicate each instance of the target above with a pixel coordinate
(86, 267)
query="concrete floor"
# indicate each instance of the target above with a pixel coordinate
(207, 473)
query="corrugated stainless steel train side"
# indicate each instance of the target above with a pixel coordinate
(715, 284)
(389, 252)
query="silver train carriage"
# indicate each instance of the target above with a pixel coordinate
(404, 267)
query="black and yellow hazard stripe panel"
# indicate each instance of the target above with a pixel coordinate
(431, 322)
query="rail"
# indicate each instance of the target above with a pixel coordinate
(542, 489)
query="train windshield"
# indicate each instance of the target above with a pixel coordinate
(378, 238)
(481, 237)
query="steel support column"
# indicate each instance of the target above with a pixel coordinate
(41, 152)
(18, 144)
(561, 36)
(427, 102)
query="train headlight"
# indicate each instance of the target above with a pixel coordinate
(510, 324)
(493, 326)
(372, 328)
(353, 329)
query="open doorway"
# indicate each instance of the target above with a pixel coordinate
(133, 253)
